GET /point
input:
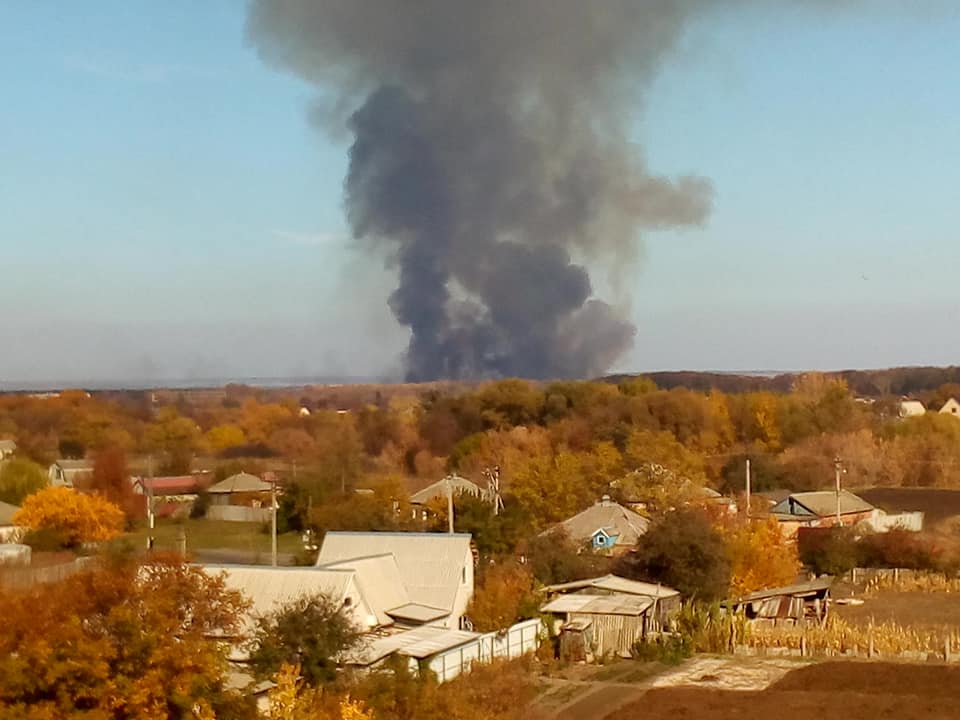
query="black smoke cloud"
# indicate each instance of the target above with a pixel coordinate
(491, 145)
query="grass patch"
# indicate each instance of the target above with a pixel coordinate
(205, 534)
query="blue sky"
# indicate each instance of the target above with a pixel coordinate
(166, 209)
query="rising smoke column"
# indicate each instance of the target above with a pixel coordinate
(490, 145)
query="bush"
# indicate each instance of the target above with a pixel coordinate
(828, 551)
(46, 540)
(681, 550)
(20, 478)
(200, 506)
(670, 649)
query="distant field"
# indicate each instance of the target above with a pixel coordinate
(936, 504)
(215, 535)
(825, 691)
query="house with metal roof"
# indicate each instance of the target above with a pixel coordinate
(951, 407)
(822, 508)
(70, 473)
(911, 408)
(442, 488)
(410, 578)
(607, 526)
(270, 588)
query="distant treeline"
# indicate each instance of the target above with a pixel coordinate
(864, 383)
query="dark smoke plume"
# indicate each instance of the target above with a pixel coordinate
(490, 144)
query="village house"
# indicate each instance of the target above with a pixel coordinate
(822, 508)
(7, 449)
(241, 498)
(441, 489)
(911, 408)
(406, 592)
(607, 615)
(70, 473)
(606, 526)
(413, 578)
(951, 407)
(171, 494)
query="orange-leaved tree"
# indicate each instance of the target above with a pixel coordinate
(74, 517)
(505, 596)
(122, 641)
(760, 556)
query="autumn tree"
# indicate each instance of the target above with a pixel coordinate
(111, 480)
(19, 478)
(504, 596)
(684, 551)
(555, 558)
(73, 517)
(759, 555)
(122, 641)
(311, 632)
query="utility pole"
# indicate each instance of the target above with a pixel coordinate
(449, 482)
(838, 468)
(273, 523)
(748, 487)
(150, 517)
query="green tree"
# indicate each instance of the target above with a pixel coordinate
(18, 478)
(684, 551)
(312, 632)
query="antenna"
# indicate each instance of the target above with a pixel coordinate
(493, 488)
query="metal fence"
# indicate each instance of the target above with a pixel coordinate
(509, 644)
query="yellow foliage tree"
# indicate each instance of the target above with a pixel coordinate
(75, 517)
(504, 597)
(760, 557)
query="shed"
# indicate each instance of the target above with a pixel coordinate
(8, 531)
(616, 622)
(791, 604)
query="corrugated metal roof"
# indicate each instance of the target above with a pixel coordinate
(800, 589)
(418, 643)
(380, 581)
(417, 613)
(599, 604)
(269, 588)
(440, 489)
(821, 504)
(606, 514)
(431, 565)
(616, 584)
(241, 482)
